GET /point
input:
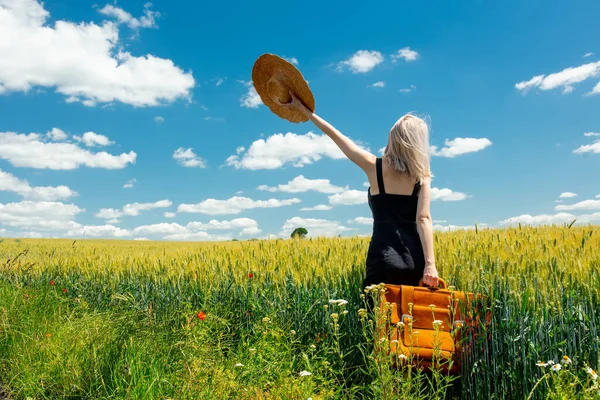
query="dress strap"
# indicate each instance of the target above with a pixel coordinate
(378, 165)
(416, 189)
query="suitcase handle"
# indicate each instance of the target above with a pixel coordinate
(441, 284)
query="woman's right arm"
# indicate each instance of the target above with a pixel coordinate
(425, 229)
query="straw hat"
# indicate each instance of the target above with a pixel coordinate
(273, 78)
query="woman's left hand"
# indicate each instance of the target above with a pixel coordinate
(295, 104)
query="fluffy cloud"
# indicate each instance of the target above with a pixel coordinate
(251, 99)
(582, 205)
(97, 231)
(406, 54)
(408, 89)
(361, 221)
(320, 207)
(588, 148)
(130, 183)
(348, 197)
(30, 150)
(92, 139)
(234, 205)
(362, 61)
(292, 60)
(197, 236)
(446, 195)
(459, 146)
(279, 150)
(377, 84)
(158, 119)
(56, 135)
(301, 184)
(439, 227)
(564, 79)
(83, 61)
(188, 158)
(132, 210)
(148, 20)
(552, 219)
(315, 227)
(11, 183)
(197, 230)
(170, 215)
(567, 195)
(39, 215)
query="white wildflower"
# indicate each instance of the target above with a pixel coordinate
(566, 360)
(305, 373)
(541, 364)
(437, 322)
(239, 365)
(556, 367)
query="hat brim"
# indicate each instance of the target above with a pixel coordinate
(273, 78)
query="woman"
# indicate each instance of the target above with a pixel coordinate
(401, 248)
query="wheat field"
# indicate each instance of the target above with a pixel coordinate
(98, 319)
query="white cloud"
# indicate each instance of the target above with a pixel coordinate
(141, 238)
(408, 89)
(234, 205)
(92, 139)
(279, 150)
(132, 210)
(197, 236)
(567, 195)
(406, 54)
(320, 207)
(362, 61)
(590, 134)
(315, 227)
(113, 221)
(98, 231)
(82, 60)
(130, 183)
(219, 82)
(148, 20)
(588, 148)
(361, 221)
(377, 84)
(197, 230)
(564, 79)
(188, 158)
(588, 55)
(301, 184)
(170, 214)
(56, 135)
(248, 226)
(29, 150)
(459, 146)
(160, 229)
(552, 219)
(367, 184)
(348, 197)
(11, 183)
(251, 99)
(446, 195)
(292, 60)
(381, 151)
(39, 215)
(582, 205)
(158, 119)
(439, 227)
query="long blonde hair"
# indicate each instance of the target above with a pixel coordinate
(408, 148)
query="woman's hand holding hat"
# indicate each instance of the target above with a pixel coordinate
(296, 104)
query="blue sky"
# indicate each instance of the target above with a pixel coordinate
(134, 120)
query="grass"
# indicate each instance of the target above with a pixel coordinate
(120, 320)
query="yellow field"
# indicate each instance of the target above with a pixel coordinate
(543, 285)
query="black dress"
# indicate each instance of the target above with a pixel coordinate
(395, 253)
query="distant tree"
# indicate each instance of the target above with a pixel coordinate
(299, 233)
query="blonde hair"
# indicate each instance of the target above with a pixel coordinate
(408, 147)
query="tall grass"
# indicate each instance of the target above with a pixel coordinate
(117, 319)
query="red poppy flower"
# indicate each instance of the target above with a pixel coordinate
(51, 283)
(201, 316)
(64, 290)
(250, 275)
